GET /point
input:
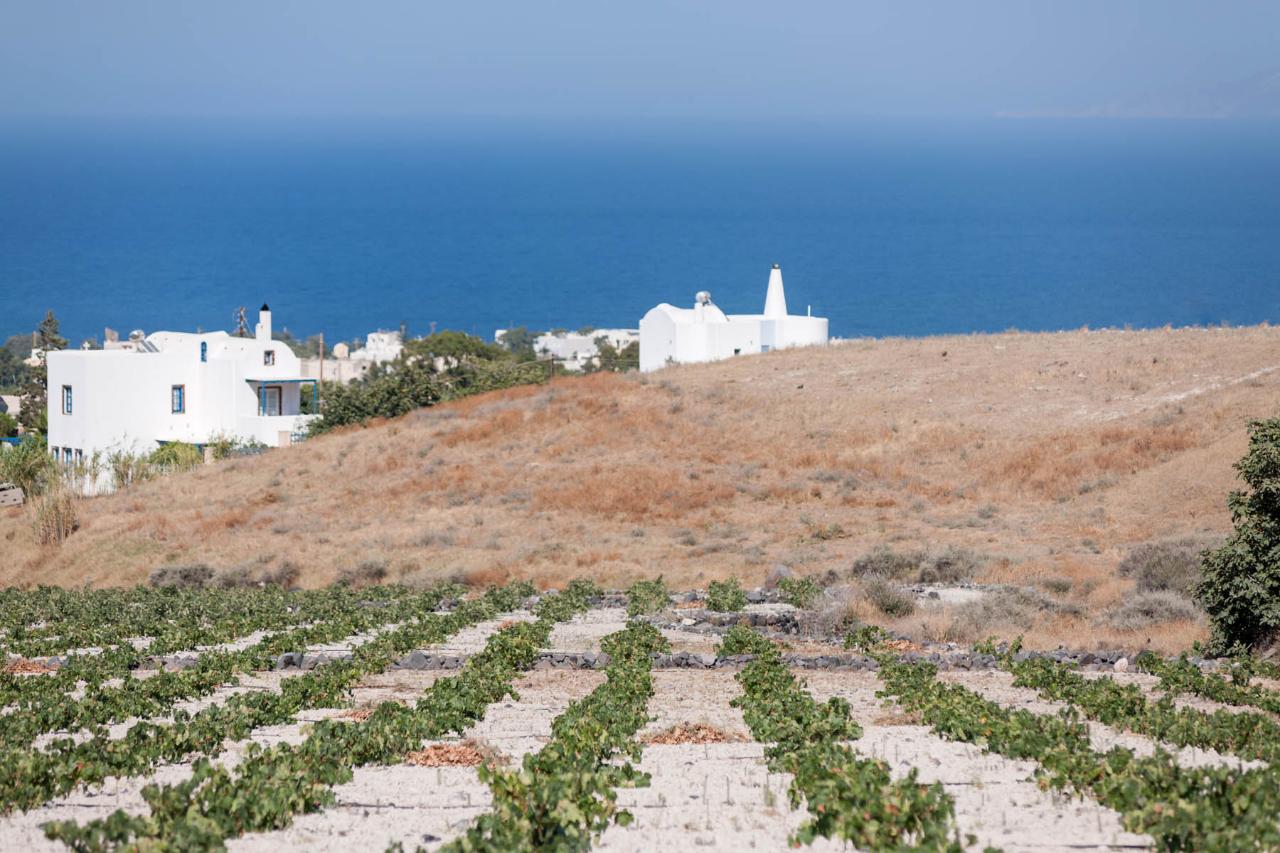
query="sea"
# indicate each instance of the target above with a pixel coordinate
(887, 227)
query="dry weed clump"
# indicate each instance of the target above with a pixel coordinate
(56, 516)
(694, 733)
(1169, 566)
(360, 715)
(1145, 609)
(466, 753)
(22, 666)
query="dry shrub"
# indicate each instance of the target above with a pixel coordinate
(360, 715)
(368, 573)
(887, 598)
(1145, 609)
(953, 565)
(482, 578)
(1008, 606)
(467, 753)
(694, 733)
(1170, 566)
(180, 577)
(242, 577)
(56, 516)
(22, 666)
(841, 610)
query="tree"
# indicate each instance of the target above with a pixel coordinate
(8, 425)
(14, 373)
(519, 342)
(47, 337)
(613, 359)
(35, 392)
(455, 348)
(1240, 587)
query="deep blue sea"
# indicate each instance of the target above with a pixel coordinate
(888, 228)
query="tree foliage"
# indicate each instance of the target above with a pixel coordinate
(1240, 588)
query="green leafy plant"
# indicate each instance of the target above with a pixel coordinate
(1240, 588)
(850, 798)
(648, 597)
(726, 596)
(799, 592)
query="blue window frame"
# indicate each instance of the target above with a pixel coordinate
(204, 350)
(178, 399)
(66, 399)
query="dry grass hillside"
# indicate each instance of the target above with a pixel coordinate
(1050, 455)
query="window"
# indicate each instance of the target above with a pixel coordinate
(66, 399)
(269, 400)
(178, 399)
(66, 455)
(269, 357)
(204, 350)
(79, 456)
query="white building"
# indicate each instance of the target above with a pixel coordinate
(577, 350)
(175, 386)
(346, 366)
(670, 335)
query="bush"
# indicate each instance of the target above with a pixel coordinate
(1151, 608)
(1240, 585)
(648, 597)
(1009, 605)
(28, 465)
(368, 573)
(1172, 566)
(128, 468)
(176, 455)
(954, 565)
(799, 592)
(56, 516)
(8, 425)
(887, 598)
(194, 576)
(726, 596)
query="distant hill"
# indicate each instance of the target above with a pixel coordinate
(1050, 455)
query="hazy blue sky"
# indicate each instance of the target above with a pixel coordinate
(727, 58)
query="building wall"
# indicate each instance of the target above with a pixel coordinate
(121, 400)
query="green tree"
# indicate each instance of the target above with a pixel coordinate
(47, 333)
(519, 342)
(1240, 588)
(14, 373)
(454, 347)
(8, 425)
(613, 359)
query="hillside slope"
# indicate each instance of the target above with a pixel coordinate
(1048, 453)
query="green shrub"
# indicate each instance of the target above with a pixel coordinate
(648, 597)
(27, 465)
(1240, 586)
(726, 596)
(799, 592)
(1172, 566)
(177, 456)
(8, 425)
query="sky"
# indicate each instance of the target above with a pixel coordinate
(732, 59)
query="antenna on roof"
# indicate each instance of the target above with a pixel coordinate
(242, 325)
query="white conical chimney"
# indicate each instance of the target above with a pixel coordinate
(775, 301)
(263, 330)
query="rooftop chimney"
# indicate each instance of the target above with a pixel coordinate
(263, 330)
(775, 300)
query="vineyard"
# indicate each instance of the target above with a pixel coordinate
(391, 718)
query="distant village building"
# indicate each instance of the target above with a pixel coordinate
(670, 335)
(175, 386)
(346, 366)
(577, 350)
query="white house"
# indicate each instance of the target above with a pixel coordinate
(347, 366)
(576, 350)
(175, 386)
(670, 335)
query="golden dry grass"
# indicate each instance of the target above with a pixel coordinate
(1052, 454)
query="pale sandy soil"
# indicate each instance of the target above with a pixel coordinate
(1050, 455)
